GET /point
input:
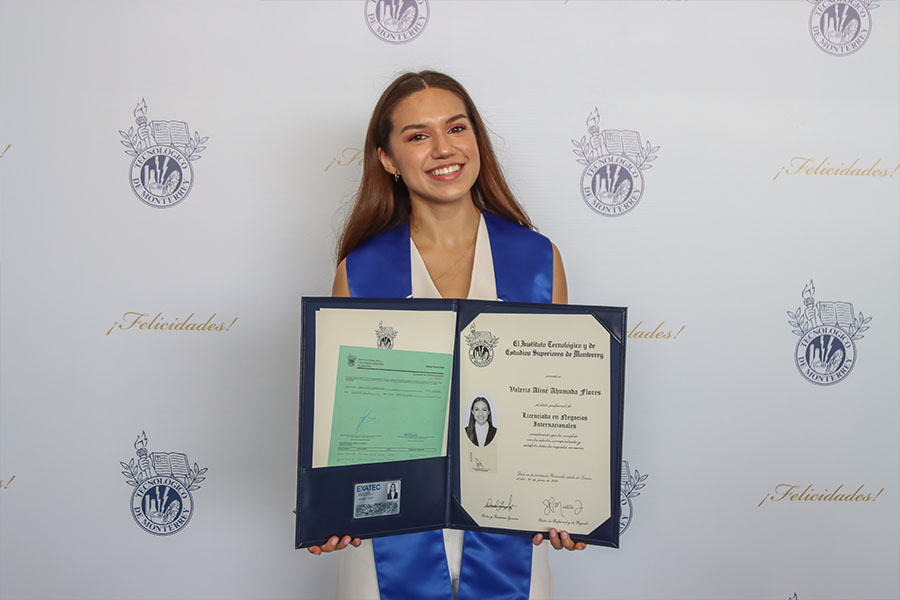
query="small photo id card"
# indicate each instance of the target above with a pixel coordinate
(376, 499)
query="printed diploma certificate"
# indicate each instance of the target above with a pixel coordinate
(548, 392)
(422, 414)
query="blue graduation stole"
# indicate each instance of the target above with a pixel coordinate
(494, 566)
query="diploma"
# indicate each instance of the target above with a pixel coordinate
(494, 416)
(546, 380)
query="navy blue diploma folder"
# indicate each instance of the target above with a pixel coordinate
(405, 496)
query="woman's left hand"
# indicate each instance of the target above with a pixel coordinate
(559, 541)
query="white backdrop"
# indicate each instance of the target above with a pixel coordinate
(723, 239)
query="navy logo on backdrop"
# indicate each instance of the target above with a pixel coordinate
(161, 172)
(161, 502)
(397, 21)
(614, 163)
(840, 27)
(385, 336)
(632, 483)
(481, 346)
(826, 353)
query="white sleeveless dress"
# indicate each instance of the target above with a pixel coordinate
(356, 577)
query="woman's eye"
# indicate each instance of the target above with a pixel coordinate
(417, 137)
(457, 128)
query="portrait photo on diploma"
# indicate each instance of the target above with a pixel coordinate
(482, 425)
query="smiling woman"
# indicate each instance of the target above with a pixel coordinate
(428, 162)
(434, 217)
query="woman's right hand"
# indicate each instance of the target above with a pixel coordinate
(335, 543)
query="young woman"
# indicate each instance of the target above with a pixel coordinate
(434, 217)
(481, 430)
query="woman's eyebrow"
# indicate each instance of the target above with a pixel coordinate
(422, 126)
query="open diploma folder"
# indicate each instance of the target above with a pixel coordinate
(421, 414)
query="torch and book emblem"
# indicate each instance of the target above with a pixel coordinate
(826, 353)
(385, 336)
(161, 172)
(161, 503)
(614, 163)
(481, 346)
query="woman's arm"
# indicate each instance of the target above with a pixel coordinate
(560, 288)
(340, 288)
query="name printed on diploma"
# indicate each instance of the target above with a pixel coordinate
(552, 390)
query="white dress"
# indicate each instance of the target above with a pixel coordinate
(356, 577)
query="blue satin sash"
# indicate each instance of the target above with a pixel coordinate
(523, 263)
(494, 566)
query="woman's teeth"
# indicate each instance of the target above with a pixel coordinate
(446, 170)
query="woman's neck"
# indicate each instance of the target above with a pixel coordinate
(445, 237)
(445, 227)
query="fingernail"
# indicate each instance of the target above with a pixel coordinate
(553, 533)
(564, 535)
(539, 538)
(346, 540)
(333, 541)
(356, 543)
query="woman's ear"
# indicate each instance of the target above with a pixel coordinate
(387, 162)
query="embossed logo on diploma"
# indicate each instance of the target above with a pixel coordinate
(481, 346)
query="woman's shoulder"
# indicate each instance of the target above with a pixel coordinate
(380, 266)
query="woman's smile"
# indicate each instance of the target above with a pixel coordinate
(448, 173)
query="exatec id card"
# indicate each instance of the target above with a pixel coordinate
(376, 499)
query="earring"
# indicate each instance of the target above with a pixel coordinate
(397, 177)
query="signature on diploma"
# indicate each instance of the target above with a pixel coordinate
(366, 418)
(500, 504)
(552, 506)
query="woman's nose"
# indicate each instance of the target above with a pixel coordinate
(441, 146)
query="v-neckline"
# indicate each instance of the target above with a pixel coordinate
(481, 282)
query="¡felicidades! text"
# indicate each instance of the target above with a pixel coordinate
(658, 333)
(141, 321)
(348, 156)
(793, 493)
(802, 165)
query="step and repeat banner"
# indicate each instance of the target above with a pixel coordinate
(174, 175)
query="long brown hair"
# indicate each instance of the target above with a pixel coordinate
(382, 203)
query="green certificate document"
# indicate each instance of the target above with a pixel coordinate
(389, 405)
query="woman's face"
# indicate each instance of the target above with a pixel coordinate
(433, 146)
(481, 411)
